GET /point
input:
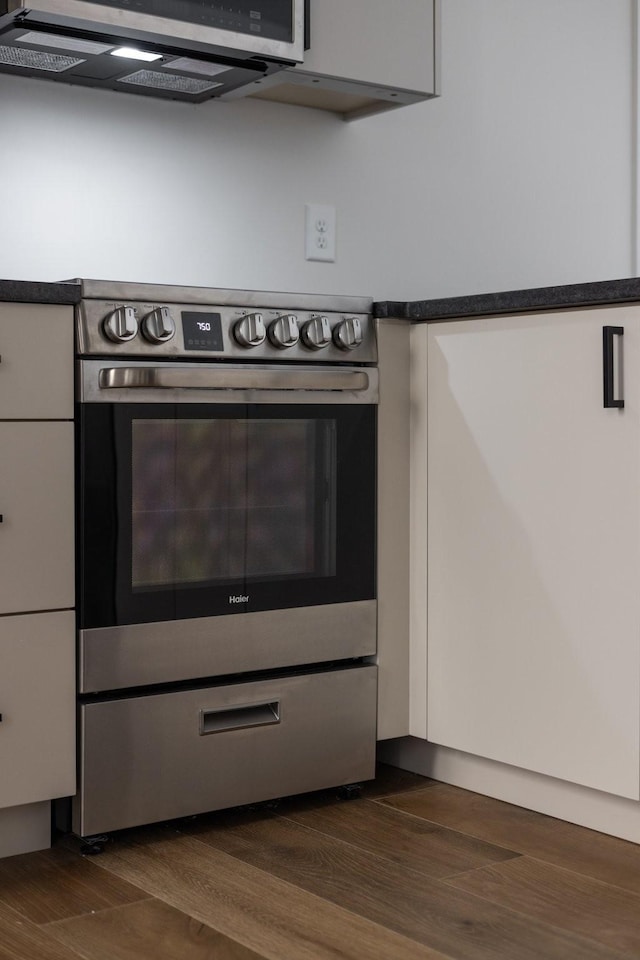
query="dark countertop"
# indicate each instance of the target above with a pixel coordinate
(514, 301)
(28, 291)
(449, 308)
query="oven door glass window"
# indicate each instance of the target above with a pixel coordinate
(232, 500)
(192, 510)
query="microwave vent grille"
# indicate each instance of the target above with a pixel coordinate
(37, 60)
(75, 44)
(163, 81)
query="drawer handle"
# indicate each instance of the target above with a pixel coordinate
(238, 718)
(608, 366)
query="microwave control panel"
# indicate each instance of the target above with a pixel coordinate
(266, 18)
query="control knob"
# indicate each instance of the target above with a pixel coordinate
(158, 326)
(316, 333)
(121, 324)
(283, 332)
(250, 330)
(347, 335)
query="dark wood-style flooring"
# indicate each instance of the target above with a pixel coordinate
(412, 870)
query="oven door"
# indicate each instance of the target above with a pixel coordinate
(200, 509)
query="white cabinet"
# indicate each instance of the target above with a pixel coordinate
(37, 582)
(36, 362)
(37, 705)
(36, 505)
(533, 544)
(365, 56)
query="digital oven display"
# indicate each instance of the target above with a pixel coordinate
(202, 331)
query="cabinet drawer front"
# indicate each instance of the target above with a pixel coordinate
(37, 689)
(36, 505)
(36, 362)
(151, 758)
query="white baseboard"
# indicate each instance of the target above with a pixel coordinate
(604, 812)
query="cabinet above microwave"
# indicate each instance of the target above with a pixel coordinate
(365, 56)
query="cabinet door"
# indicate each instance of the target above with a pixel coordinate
(37, 705)
(365, 56)
(377, 42)
(36, 505)
(534, 546)
(36, 362)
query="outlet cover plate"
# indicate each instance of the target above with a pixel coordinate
(320, 232)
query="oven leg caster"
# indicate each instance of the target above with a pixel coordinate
(91, 846)
(350, 791)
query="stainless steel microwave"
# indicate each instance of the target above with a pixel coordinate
(187, 49)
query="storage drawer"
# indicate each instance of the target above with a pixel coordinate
(160, 756)
(36, 362)
(36, 505)
(37, 694)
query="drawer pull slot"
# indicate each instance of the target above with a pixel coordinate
(238, 718)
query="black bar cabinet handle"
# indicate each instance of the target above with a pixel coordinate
(307, 24)
(608, 333)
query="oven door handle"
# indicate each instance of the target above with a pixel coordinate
(174, 378)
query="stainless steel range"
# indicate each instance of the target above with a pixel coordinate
(226, 543)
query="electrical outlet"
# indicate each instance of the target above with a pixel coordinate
(320, 232)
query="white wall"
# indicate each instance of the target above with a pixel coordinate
(521, 174)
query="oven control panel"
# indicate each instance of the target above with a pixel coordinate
(170, 331)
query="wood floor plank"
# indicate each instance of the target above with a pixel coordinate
(149, 928)
(56, 884)
(418, 844)
(258, 910)
(596, 855)
(453, 922)
(22, 940)
(566, 899)
(391, 780)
